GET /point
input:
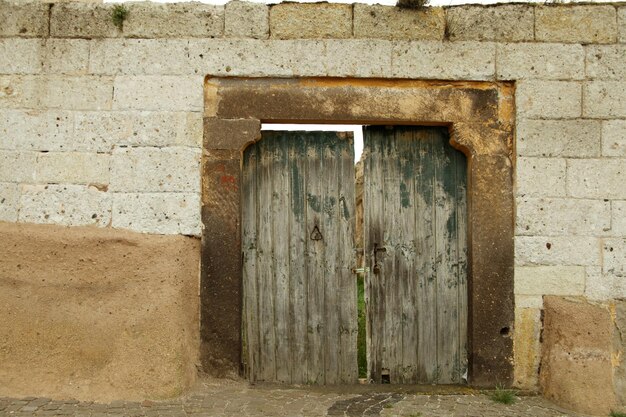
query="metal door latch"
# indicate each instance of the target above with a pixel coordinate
(376, 250)
(364, 270)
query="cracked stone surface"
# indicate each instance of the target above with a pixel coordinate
(236, 399)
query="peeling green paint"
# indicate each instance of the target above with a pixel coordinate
(344, 208)
(329, 204)
(405, 196)
(314, 202)
(296, 183)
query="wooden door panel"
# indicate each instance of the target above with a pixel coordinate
(416, 245)
(300, 321)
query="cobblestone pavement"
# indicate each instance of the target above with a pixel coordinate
(238, 399)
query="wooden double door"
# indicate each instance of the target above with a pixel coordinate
(300, 257)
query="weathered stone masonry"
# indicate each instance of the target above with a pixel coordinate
(104, 127)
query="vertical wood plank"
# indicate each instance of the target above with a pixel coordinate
(426, 238)
(392, 257)
(447, 264)
(407, 274)
(347, 294)
(265, 265)
(315, 265)
(249, 243)
(329, 210)
(463, 294)
(297, 242)
(280, 270)
(374, 206)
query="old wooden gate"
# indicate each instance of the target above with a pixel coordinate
(415, 243)
(298, 226)
(300, 323)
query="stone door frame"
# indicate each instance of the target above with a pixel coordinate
(480, 118)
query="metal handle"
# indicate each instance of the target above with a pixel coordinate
(377, 249)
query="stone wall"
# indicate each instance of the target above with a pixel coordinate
(102, 126)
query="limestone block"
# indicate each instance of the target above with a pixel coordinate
(444, 60)
(101, 131)
(9, 200)
(246, 20)
(82, 20)
(146, 56)
(557, 250)
(173, 169)
(163, 213)
(20, 56)
(618, 215)
(577, 24)
(41, 130)
(52, 92)
(559, 138)
(502, 23)
(517, 61)
(528, 301)
(241, 57)
(66, 56)
(606, 62)
(562, 216)
(64, 204)
(614, 254)
(75, 92)
(278, 58)
(614, 138)
(10, 127)
(158, 93)
(23, 19)
(550, 280)
(17, 92)
(527, 346)
(605, 99)
(174, 20)
(621, 22)
(385, 22)
(191, 132)
(358, 58)
(597, 178)
(72, 168)
(310, 21)
(599, 286)
(17, 166)
(549, 99)
(576, 368)
(38, 130)
(619, 287)
(540, 177)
